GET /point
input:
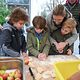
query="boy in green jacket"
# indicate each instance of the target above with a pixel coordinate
(37, 39)
(61, 35)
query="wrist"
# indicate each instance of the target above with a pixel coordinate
(55, 43)
(24, 54)
(66, 42)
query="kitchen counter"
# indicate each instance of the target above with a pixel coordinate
(44, 70)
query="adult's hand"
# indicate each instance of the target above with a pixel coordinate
(62, 45)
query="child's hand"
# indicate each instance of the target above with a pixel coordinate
(24, 54)
(42, 56)
(26, 60)
(25, 57)
(60, 51)
(69, 52)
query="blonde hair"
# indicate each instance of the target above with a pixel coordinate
(70, 23)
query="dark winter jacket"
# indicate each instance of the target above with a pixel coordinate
(75, 10)
(0, 31)
(13, 40)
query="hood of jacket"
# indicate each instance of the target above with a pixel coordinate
(8, 26)
(32, 30)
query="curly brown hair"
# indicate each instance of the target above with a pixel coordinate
(39, 22)
(18, 14)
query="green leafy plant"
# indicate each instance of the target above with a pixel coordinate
(3, 11)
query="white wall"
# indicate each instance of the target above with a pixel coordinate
(36, 7)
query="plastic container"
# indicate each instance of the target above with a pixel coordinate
(64, 70)
(11, 64)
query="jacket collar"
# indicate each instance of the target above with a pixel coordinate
(32, 30)
(11, 25)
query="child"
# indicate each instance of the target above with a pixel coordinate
(12, 40)
(61, 35)
(37, 40)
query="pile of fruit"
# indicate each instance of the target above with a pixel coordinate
(10, 74)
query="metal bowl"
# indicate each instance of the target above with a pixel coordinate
(9, 63)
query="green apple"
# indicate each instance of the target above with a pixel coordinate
(2, 72)
(1, 78)
(17, 75)
(10, 78)
(11, 74)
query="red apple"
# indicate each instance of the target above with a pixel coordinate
(17, 73)
(0, 74)
(5, 76)
(26, 61)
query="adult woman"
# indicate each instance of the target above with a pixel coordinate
(55, 21)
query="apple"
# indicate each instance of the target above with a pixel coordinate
(5, 76)
(11, 74)
(17, 71)
(17, 79)
(1, 78)
(17, 75)
(2, 72)
(26, 61)
(10, 78)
